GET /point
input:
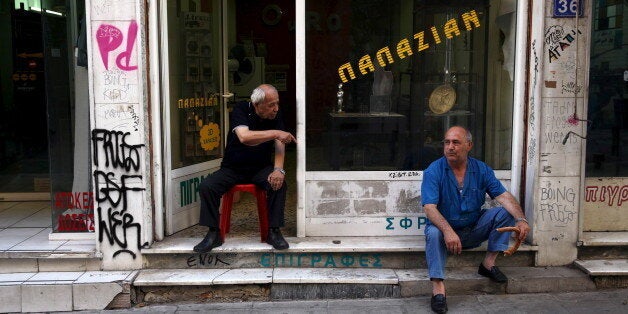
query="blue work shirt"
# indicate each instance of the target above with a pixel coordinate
(460, 208)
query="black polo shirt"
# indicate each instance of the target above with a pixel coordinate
(245, 158)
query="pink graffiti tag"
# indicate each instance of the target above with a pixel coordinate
(109, 38)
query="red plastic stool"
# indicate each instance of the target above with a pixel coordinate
(262, 209)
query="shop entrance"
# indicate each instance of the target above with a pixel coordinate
(44, 154)
(606, 163)
(24, 164)
(217, 52)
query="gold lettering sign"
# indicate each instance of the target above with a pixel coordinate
(404, 48)
(197, 102)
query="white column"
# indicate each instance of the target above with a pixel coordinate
(119, 130)
(558, 73)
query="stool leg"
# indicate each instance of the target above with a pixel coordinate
(262, 211)
(225, 215)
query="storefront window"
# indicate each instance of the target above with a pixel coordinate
(409, 70)
(607, 133)
(194, 63)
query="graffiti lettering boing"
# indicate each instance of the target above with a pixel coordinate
(404, 48)
(112, 192)
(109, 38)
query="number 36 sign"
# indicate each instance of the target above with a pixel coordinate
(568, 8)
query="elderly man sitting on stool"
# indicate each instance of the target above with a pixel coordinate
(258, 131)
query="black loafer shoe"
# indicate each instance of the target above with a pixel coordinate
(212, 239)
(276, 239)
(494, 274)
(439, 303)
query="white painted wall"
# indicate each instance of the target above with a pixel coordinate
(558, 62)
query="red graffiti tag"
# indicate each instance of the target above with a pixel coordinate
(109, 38)
(609, 194)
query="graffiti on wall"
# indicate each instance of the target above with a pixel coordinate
(605, 204)
(117, 82)
(114, 188)
(557, 40)
(611, 195)
(109, 38)
(557, 204)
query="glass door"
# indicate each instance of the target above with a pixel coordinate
(24, 164)
(193, 103)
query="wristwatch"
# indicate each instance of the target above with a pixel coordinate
(281, 170)
(521, 219)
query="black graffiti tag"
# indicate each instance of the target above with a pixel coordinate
(117, 151)
(118, 222)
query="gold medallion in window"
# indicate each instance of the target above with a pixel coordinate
(442, 99)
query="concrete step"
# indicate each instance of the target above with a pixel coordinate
(65, 291)
(50, 256)
(606, 273)
(215, 285)
(619, 238)
(33, 265)
(336, 252)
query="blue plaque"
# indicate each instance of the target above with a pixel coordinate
(568, 8)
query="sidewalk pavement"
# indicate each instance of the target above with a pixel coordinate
(600, 301)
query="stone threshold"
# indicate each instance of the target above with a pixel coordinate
(460, 280)
(173, 245)
(65, 291)
(604, 267)
(619, 238)
(49, 254)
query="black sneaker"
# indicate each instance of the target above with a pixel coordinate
(439, 303)
(494, 274)
(212, 239)
(276, 239)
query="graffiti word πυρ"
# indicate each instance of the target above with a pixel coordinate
(609, 194)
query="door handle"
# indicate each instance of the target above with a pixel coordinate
(227, 95)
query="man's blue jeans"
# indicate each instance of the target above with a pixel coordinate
(473, 236)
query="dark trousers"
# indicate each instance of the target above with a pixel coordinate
(221, 181)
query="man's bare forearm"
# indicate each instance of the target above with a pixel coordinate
(252, 138)
(510, 204)
(436, 218)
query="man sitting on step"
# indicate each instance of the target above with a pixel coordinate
(257, 131)
(453, 192)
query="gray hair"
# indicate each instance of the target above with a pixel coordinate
(468, 135)
(259, 93)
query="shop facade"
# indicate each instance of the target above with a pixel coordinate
(369, 87)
